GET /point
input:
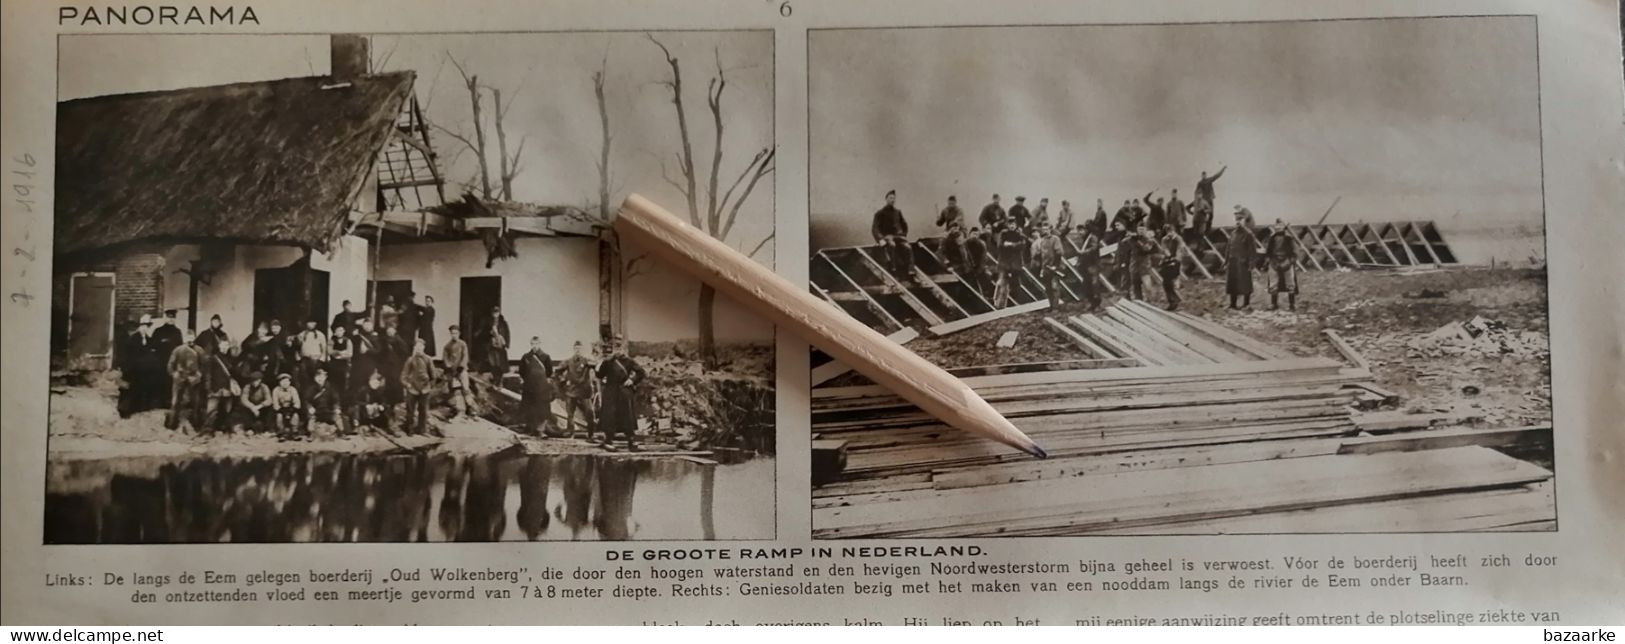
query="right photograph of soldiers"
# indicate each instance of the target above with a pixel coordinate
(1273, 277)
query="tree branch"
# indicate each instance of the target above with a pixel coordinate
(767, 167)
(760, 245)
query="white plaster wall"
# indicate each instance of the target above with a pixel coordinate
(550, 290)
(230, 291)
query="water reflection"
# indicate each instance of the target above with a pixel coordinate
(405, 497)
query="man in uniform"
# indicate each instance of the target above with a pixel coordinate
(1158, 216)
(1041, 215)
(219, 386)
(1088, 263)
(141, 370)
(536, 368)
(1063, 219)
(1240, 254)
(992, 215)
(1097, 224)
(496, 340)
(185, 371)
(890, 231)
(1020, 218)
(579, 384)
(417, 381)
(1282, 253)
(1012, 252)
(208, 341)
(951, 216)
(1124, 217)
(1145, 254)
(346, 318)
(1169, 268)
(619, 376)
(364, 361)
(1051, 261)
(455, 356)
(166, 338)
(975, 268)
(1204, 186)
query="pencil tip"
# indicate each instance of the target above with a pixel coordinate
(1038, 451)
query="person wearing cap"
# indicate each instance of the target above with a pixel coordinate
(388, 314)
(1019, 216)
(1088, 264)
(141, 369)
(426, 315)
(1063, 219)
(495, 340)
(1050, 258)
(347, 317)
(220, 387)
(619, 376)
(1281, 251)
(536, 370)
(951, 216)
(975, 267)
(1243, 215)
(255, 404)
(392, 353)
(579, 386)
(340, 354)
(1124, 216)
(364, 356)
(993, 216)
(1097, 225)
(455, 358)
(185, 369)
(323, 403)
(417, 382)
(1146, 254)
(1177, 214)
(1157, 214)
(1241, 252)
(1040, 215)
(1012, 251)
(890, 231)
(165, 337)
(1170, 267)
(953, 254)
(372, 408)
(314, 350)
(410, 319)
(1204, 186)
(286, 407)
(208, 340)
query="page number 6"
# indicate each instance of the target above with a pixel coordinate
(785, 9)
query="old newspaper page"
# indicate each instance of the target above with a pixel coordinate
(314, 315)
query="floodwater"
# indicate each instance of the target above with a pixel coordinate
(407, 498)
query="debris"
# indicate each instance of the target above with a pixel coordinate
(1008, 340)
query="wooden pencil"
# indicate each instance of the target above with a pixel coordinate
(820, 323)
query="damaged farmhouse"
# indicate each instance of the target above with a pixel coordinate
(295, 281)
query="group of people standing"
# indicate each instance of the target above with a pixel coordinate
(355, 372)
(1146, 239)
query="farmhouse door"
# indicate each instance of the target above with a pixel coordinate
(90, 317)
(290, 295)
(476, 297)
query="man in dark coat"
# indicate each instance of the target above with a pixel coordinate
(185, 369)
(1176, 211)
(1282, 253)
(536, 367)
(1088, 265)
(618, 377)
(455, 357)
(347, 318)
(409, 320)
(1020, 217)
(1124, 216)
(1158, 215)
(209, 339)
(426, 315)
(254, 405)
(1204, 186)
(951, 216)
(323, 404)
(1241, 252)
(1145, 255)
(364, 356)
(1050, 258)
(1097, 224)
(372, 408)
(890, 231)
(494, 341)
(976, 260)
(142, 370)
(392, 353)
(1169, 269)
(166, 338)
(992, 216)
(1012, 255)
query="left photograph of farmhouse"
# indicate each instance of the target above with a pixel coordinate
(364, 288)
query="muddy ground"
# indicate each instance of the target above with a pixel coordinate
(1390, 317)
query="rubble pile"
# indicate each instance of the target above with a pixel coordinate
(694, 407)
(1479, 337)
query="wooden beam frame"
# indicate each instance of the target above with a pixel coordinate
(931, 318)
(874, 307)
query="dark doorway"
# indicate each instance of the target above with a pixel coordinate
(381, 291)
(476, 297)
(90, 317)
(290, 295)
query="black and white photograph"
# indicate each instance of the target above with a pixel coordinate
(1236, 278)
(364, 288)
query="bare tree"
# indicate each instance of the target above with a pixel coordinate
(721, 210)
(509, 165)
(477, 145)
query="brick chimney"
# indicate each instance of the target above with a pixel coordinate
(351, 55)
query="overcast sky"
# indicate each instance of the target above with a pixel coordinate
(548, 76)
(1405, 119)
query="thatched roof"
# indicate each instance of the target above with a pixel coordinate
(272, 162)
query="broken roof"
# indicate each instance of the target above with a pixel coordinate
(274, 162)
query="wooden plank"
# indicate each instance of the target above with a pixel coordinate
(937, 292)
(1032, 367)
(1008, 340)
(1307, 251)
(1398, 421)
(1200, 265)
(1177, 331)
(1120, 500)
(1343, 348)
(1383, 245)
(1349, 255)
(1090, 325)
(1018, 472)
(973, 291)
(1445, 438)
(830, 370)
(1232, 337)
(1478, 510)
(1155, 337)
(874, 307)
(1083, 343)
(997, 314)
(914, 303)
(1423, 241)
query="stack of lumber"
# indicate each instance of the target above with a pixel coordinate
(1195, 429)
